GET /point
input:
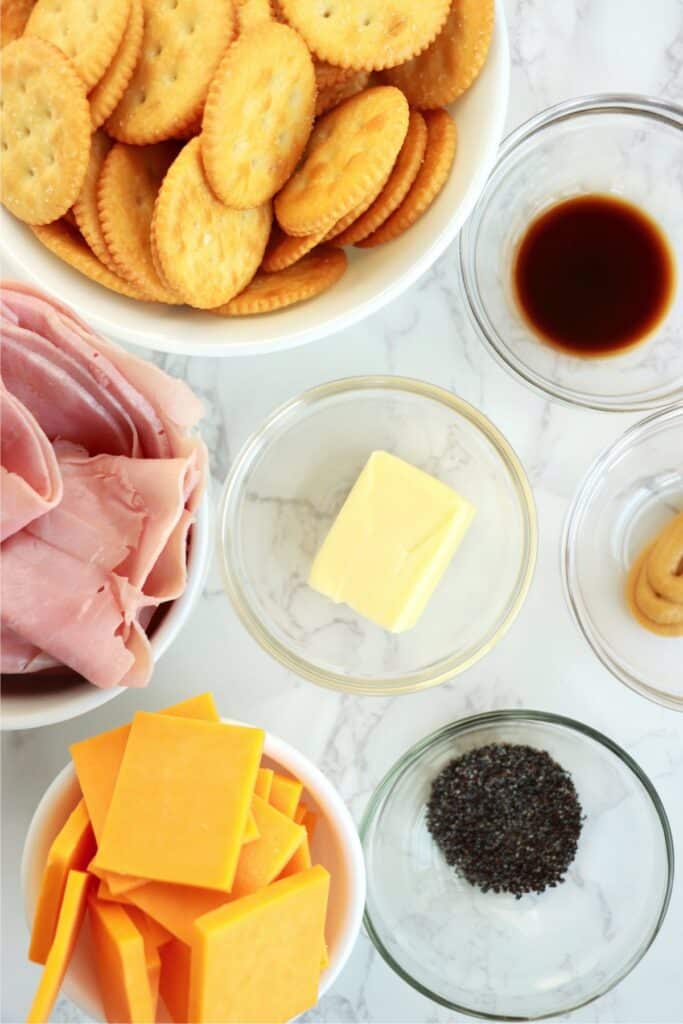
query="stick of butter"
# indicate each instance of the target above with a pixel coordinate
(391, 542)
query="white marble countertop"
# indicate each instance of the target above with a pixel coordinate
(559, 49)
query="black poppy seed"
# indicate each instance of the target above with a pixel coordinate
(507, 817)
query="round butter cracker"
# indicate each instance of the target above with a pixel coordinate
(366, 34)
(13, 17)
(111, 87)
(330, 96)
(258, 115)
(207, 251)
(44, 131)
(430, 179)
(311, 275)
(283, 250)
(182, 45)
(403, 174)
(448, 67)
(65, 242)
(252, 14)
(85, 213)
(127, 189)
(87, 31)
(351, 151)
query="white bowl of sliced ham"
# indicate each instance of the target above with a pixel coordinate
(104, 518)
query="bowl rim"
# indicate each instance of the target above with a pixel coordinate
(630, 104)
(448, 667)
(503, 716)
(157, 339)
(327, 797)
(568, 545)
(90, 697)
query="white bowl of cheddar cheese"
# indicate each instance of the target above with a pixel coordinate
(335, 846)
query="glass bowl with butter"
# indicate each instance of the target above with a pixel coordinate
(378, 535)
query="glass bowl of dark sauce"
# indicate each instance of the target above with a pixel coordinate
(569, 261)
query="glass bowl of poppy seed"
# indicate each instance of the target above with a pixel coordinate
(519, 864)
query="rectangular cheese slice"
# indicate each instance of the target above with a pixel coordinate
(262, 861)
(72, 849)
(264, 782)
(181, 801)
(299, 861)
(285, 794)
(176, 907)
(308, 818)
(174, 984)
(251, 832)
(69, 923)
(258, 958)
(121, 963)
(391, 543)
(153, 934)
(97, 760)
(153, 964)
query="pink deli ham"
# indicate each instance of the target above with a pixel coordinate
(102, 473)
(31, 482)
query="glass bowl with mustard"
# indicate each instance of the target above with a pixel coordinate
(378, 535)
(568, 262)
(622, 557)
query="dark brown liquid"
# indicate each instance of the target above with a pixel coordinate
(593, 275)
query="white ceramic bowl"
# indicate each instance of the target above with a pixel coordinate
(335, 845)
(46, 700)
(374, 277)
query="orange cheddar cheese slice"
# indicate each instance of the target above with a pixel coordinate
(176, 907)
(261, 862)
(299, 861)
(181, 801)
(116, 886)
(308, 818)
(153, 964)
(97, 760)
(258, 958)
(251, 832)
(121, 964)
(72, 849)
(174, 984)
(153, 934)
(69, 923)
(285, 794)
(264, 782)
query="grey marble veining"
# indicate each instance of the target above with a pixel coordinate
(559, 49)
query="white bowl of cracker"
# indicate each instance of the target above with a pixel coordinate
(238, 176)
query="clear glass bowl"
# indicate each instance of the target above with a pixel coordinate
(491, 955)
(630, 492)
(627, 146)
(286, 488)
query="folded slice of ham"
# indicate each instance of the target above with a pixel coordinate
(78, 612)
(16, 655)
(36, 373)
(120, 514)
(31, 482)
(158, 401)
